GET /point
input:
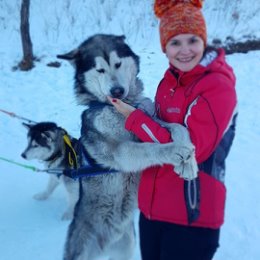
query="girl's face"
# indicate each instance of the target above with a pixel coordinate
(185, 51)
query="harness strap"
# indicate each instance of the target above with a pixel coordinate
(90, 169)
(72, 156)
(87, 171)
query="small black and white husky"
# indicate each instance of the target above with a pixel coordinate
(54, 147)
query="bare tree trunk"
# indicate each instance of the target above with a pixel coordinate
(27, 61)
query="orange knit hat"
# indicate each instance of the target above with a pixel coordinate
(178, 17)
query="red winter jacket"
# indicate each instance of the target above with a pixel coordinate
(203, 100)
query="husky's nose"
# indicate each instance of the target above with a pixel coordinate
(117, 92)
(23, 155)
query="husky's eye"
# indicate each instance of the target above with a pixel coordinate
(117, 65)
(101, 71)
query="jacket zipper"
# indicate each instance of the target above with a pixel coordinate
(178, 78)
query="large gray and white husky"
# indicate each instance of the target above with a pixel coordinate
(47, 143)
(103, 217)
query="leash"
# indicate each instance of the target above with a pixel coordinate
(32, 168)
(17, 116)
(86, 171)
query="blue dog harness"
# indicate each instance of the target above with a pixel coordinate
(89, 169)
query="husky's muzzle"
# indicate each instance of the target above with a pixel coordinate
(117, 92)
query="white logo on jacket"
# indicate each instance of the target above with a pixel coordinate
(176, 110)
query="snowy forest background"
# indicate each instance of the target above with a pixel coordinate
(57, 25)
(31, 229)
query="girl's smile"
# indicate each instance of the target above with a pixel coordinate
(185, 51)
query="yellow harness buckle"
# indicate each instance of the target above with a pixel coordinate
(72, 156)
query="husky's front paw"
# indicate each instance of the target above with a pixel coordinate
(187, 167)
(41, 196)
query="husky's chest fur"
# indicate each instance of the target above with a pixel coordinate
(101, 125)
(105, 122)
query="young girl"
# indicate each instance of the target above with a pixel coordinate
(181, 220)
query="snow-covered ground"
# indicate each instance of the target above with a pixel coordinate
(30, 229)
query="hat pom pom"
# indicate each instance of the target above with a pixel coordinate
(197, 3)
(161, 6)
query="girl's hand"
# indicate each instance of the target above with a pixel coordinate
(121, 106)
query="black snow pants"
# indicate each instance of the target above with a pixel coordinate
(166, 241)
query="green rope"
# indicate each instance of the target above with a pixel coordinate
(29, 167)
(20, 164)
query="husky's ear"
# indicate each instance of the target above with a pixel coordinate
(70, 56)
(121, 38)
(27, 126)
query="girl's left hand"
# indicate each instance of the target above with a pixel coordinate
(122, 107)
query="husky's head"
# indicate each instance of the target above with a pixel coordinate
(104, 66)
(44, 141)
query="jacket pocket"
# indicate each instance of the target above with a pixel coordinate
(213, 197)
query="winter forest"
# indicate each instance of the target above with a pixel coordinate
(31, 229)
